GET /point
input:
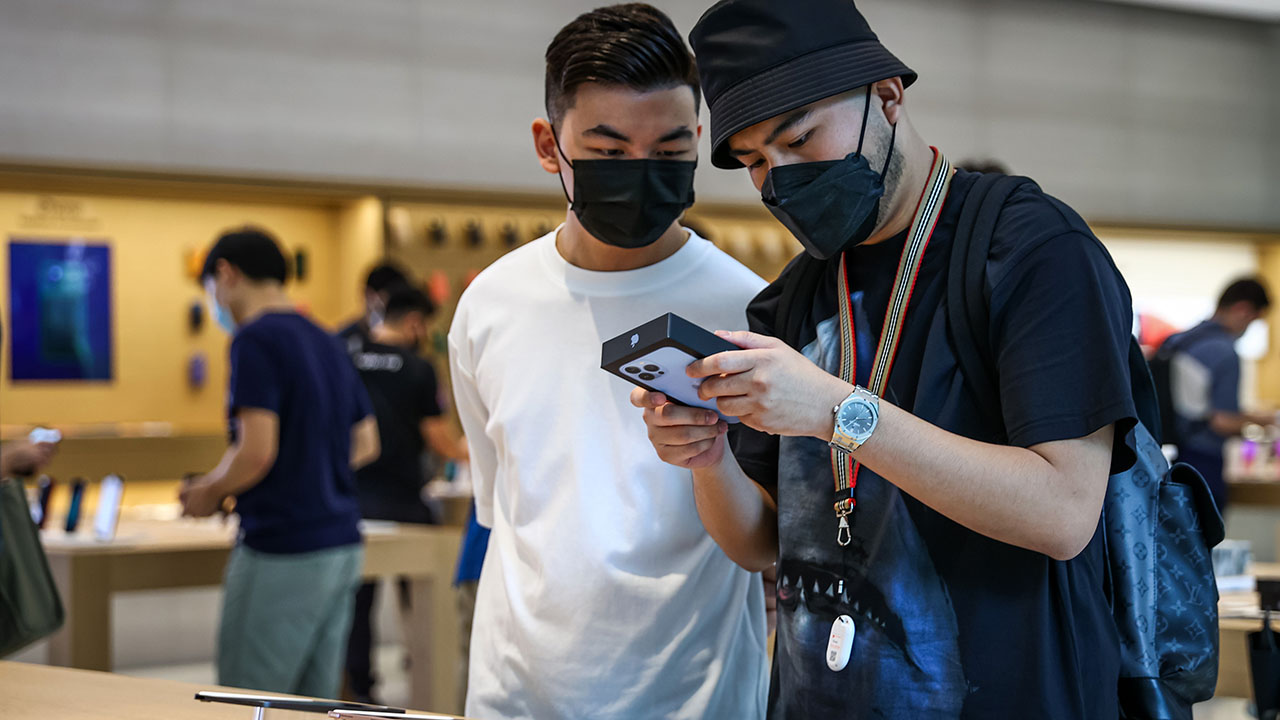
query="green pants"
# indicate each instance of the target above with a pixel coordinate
(285, 620)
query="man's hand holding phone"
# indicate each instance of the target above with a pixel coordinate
(686, 437)
(767, 384)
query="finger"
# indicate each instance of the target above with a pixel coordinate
(749, 340)
(738, 406)
(671, 414)
(684, 434)
(731, 361)
(683, 454)
(726, 386)
(642, 398)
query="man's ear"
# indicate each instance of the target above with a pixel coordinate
(225, 272)
(890, 93)
(544, 144)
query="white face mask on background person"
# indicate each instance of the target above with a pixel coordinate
(220, 314)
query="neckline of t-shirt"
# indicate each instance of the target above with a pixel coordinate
(622, 282)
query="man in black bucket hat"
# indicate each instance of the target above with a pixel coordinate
(938, 548)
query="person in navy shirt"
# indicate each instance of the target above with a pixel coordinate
(299, 422)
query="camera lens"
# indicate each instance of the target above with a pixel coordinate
(647, 376)
(652, 368)
(633, 370)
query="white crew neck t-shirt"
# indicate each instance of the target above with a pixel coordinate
(602, 596)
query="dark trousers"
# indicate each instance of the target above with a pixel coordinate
(360, 677)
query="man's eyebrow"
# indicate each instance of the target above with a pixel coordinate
(606, 131)
(681, 133)
(792, 120)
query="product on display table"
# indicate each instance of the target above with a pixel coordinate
(107, 516)
(364, 715)
(261, 703)
(655, 355)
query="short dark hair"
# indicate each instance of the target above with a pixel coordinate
(634, 45)
(251, 250)
(384, 276)
(1248, 290)
(403, 299)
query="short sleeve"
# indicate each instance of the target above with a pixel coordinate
(1224, 393)
(428, 392)
(254, 376)
(755, 451)
(1061, 318)
(361, 406)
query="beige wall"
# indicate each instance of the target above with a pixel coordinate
(1127, 113)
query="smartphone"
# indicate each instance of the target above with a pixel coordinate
(280, 703)
(107, 517)
(73, 510)
(370, 715)
(44, 492)
(45, 435)
(654, 356)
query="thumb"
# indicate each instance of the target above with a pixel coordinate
(749, 340)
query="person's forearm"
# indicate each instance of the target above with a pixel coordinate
(737, 513)
(1012, 494)
(237, 472)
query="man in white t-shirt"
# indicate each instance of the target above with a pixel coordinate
(601, 596)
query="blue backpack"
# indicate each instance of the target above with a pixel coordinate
(1160, 522)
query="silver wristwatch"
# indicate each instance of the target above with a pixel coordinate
(856, 418)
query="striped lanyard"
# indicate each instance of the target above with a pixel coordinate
(928, 209)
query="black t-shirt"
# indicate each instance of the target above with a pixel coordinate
(354, 335)
(404, 392)
(950, 623)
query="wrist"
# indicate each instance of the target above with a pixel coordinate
(825, 416)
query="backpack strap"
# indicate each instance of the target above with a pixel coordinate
(967, 311)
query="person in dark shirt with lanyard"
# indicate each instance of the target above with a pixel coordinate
(407, 403)
(931, 565)
(300, 423)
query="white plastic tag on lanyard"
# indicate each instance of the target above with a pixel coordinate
(840, 645)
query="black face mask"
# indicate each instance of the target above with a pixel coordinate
(629, 203)
(831, 205)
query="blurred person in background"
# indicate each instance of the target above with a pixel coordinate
(299, 424)
(601, 595)
(1204, 382)
(466, 581)
(410, 411)
(377, 286)
(22, 458)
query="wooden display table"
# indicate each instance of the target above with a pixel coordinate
(40, 692)
(156, 555)
(1254, 492)
(1233, 629)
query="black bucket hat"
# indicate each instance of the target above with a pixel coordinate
(758, 59)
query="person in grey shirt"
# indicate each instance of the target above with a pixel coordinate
(1204, 375)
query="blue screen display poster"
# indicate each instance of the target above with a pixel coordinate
(59, 310)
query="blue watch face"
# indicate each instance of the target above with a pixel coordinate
(856, 418)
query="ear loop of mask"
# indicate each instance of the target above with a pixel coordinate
(559, 175)
(862, 132)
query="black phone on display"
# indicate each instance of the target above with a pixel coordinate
(77, 499)
(281, 703)
(44, 490)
